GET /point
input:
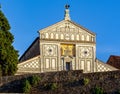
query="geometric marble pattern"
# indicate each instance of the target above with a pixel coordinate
(85, 52)
(49, 50)
(104, 67)
(30, 64)
(101, 67)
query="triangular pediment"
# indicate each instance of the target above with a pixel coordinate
(66, 24)
(67, 28)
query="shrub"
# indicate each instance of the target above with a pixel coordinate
(26, 86)
(34, 80)
(53, 86)
(29, 82)
(50, 86)
(86, 81)
(97, 90)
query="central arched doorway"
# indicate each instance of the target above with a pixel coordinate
(67, 56)
(68, 66)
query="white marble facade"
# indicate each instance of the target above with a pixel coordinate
(67, 33)
(65, 46)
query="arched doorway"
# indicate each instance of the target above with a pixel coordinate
(68, 66)
(67, 55)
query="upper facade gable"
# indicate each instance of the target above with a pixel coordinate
(67, 30)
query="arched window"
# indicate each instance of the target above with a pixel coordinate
(53, 64)
(83, 37)
(88, 38)
(77, 37)
(82, 63)
(62, 36)
(57, 36)
(72, 37)
(88, 65)
(47, 35)
(52, 36)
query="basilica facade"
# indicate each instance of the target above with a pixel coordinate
(63, 46)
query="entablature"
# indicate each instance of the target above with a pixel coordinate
(66, 41)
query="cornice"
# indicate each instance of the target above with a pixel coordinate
(66, 41)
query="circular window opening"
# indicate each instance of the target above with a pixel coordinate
(85, 52)
(50, 50)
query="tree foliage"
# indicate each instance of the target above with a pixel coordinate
(8, 55)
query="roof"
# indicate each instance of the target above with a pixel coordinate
(29, 48)
(114, 61)
(115, 57)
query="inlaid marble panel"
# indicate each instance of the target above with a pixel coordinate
(50, 50)
(85, 52)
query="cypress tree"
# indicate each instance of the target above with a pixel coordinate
(8, 55)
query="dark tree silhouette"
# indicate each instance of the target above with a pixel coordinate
(8, 55)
